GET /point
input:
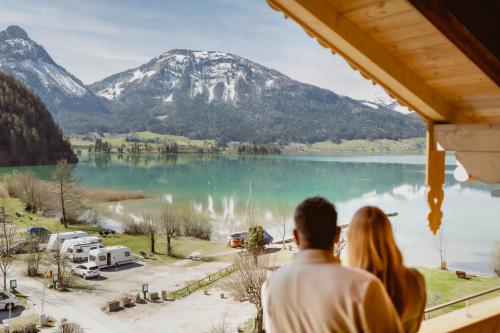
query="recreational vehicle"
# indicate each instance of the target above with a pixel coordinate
(110, 256)
(78, 249)
(56, 240)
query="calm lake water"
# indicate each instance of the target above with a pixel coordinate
(219, 186)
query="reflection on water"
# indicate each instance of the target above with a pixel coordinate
(219, 187)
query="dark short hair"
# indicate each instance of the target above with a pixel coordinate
(316, 221)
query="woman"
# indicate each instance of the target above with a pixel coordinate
(372, 247)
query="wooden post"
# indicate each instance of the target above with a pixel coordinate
(434, 179)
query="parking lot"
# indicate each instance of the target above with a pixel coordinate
(195, 313)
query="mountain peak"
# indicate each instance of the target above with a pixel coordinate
(14, 31)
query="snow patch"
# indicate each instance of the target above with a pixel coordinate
(112, 92)
(139, 75)
(269, 83)
(54, 76)
(373, 106)
(168, 99)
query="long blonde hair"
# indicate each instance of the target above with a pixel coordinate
(371, 246)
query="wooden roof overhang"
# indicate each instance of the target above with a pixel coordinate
(438, 58)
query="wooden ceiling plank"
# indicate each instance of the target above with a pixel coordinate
(325, 22)
(377, 10)
(403, 33)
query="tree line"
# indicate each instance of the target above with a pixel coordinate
(28, 134)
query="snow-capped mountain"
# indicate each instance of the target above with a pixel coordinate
(217, 95)
(66, 97)
(380, 102)
(216, 76)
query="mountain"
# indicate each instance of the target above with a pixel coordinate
(72, 105)
(28, 134)
(217, 95)
(379, 102)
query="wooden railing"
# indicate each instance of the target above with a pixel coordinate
(466, 299)
(207, 280)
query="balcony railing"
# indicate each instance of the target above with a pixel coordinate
(429, 311)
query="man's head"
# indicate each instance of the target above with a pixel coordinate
(316, 224)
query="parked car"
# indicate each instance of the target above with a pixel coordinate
(106, 231)
(41, 232)
(85, 270)
(7, 299)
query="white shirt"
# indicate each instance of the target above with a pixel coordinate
(315, 294)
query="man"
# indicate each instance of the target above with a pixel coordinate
(315, 294)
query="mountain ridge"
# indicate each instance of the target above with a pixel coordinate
(200, 95)
(230, 91)
(67, 98)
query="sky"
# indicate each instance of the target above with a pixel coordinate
(93, 39)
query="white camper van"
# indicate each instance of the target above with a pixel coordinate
(110, 256)
(78, 249)
(56, 240)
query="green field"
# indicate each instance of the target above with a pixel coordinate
(117, 140)
(413, 145)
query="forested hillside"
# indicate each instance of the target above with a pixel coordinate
(28, 134)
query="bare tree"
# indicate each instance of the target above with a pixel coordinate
(150, 228)
(245, 284)
(441, 248)
(341, 245)
(31, 191)
(169, 225)
(283, 214)
(34, 256)
(9, 233)
(68, 193)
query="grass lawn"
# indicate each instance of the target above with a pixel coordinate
(445, 286)
(183, 247)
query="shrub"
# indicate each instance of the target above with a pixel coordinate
(131, 227)
(68, 327)
(255, 241)
(193, 225)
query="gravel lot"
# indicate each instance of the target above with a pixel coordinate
(195, 313)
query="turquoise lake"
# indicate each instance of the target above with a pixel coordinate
(219, 186)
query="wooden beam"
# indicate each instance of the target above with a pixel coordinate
(476, 146)
(437, 13)
(322, 20)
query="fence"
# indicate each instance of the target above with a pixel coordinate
(183, 292)
(466, 299)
